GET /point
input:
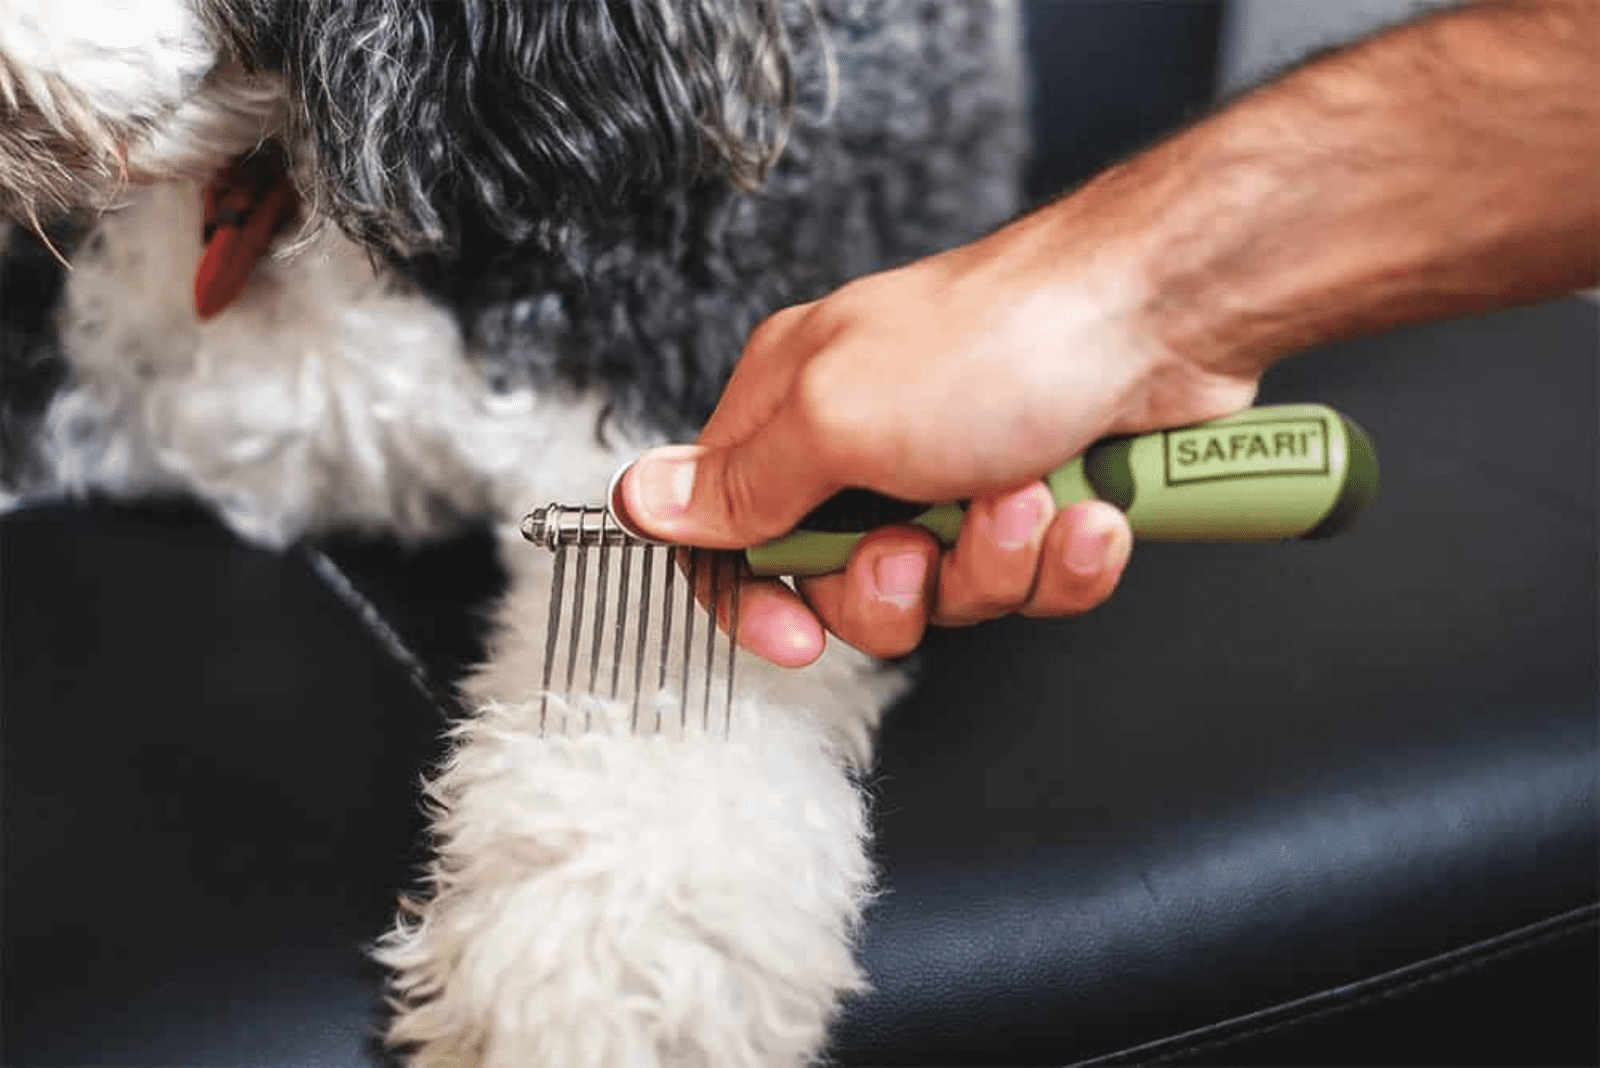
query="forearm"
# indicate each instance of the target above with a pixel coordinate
(1446, 167)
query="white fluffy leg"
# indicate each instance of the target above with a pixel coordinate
(609, 899)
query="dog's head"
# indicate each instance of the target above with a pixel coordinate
(410, 122)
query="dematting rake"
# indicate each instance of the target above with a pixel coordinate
(627, 633)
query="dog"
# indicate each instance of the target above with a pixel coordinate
(400, 266)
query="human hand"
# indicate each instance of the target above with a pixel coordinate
(1154, 296)
(966, 376)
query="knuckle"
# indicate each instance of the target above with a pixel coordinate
(989, 582)
(1063, 593)
(775, 327)
(822, 391)
(837, 421)
(889, 642)
(879, 634)
(963, 602)
(738, 500)
(983, 604)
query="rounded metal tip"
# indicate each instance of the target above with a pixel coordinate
(539, 525)
(556, 525)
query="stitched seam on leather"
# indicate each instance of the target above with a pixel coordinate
(1364, 991)
(1365, 999)
(332, 576)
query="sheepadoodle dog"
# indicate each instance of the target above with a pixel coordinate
(395, 266)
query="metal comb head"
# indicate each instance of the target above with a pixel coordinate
(627, 642)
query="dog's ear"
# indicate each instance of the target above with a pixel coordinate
(428, 118)
(81, 81)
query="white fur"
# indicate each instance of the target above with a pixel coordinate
(127, 60)
(610, 899)
(138, 87)
(618, 901)
(231, 113)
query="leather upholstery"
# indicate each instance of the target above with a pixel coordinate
(1261, 775)
(1311, 803)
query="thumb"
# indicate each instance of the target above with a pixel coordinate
(725, 497)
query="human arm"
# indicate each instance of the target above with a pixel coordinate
(1445, 167)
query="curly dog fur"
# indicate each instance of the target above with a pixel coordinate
(533, 237)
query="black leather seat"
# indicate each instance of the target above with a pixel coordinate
(1312, 803)
(1331, 801)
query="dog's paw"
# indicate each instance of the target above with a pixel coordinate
(608, 899)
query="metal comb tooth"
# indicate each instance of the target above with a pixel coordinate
(670, 573)
(662, 673)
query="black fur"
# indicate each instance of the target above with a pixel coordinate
(576, 178)
(427, 119)
(32, 368)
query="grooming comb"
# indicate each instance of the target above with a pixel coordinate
(1297, 471)
(659, 668)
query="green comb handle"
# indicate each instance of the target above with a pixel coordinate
(1265, 474)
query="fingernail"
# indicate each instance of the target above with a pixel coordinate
(1020, 519)
(900, 577)
(1089, 543)
(662, 484)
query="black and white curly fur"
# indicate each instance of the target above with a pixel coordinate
(523, 219)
